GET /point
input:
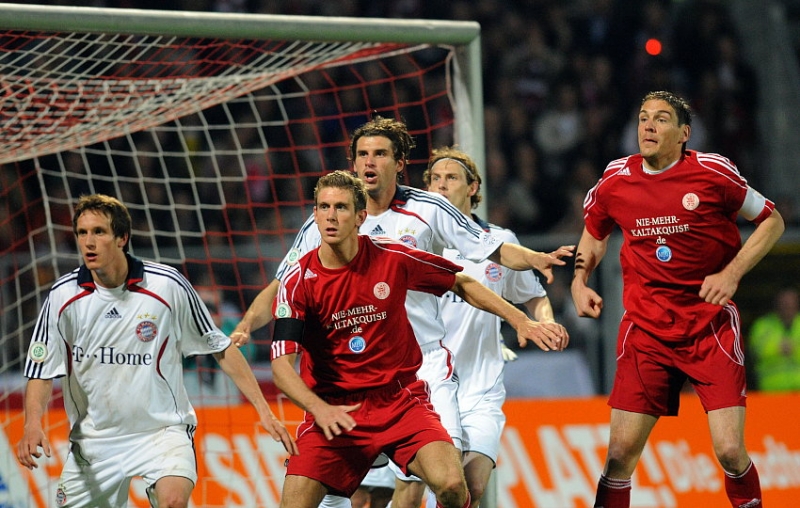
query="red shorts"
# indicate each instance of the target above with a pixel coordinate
(395, 421)
(651, 372)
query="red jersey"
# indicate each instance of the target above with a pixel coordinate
(357, 335)
(679, 225)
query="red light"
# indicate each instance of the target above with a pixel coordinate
(653, 47)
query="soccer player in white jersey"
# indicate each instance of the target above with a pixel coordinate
(379, 152)
(473, 335)
(115, 330)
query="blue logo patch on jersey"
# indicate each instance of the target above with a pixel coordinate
(357, 344)
(663, 253)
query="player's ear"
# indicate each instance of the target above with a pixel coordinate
(687, 131)
(361, 216)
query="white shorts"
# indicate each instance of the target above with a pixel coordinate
(379, 477)
(438, 371)
(482, 422)
(330, 501)
(98, 472)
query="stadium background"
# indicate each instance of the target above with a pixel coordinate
(578, 65)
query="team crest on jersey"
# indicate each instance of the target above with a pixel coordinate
(357, 344)
(690, 201)
(37, 352)
(61, 496)
(293, 256)
(283, 310)
(214, 339)
(381, 291)
(493, 272)
(409, 240)
(146, 331)
(663, 253)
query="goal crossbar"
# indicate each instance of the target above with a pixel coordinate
(235, 25)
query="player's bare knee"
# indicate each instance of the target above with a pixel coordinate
(476, 491)
(454, 497)
(732, 459)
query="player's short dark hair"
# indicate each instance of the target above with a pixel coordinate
(394, 130)
(344, 180)
(112, 208)
(682, 109)
(461, 158)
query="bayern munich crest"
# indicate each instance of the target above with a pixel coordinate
(493, 272)
(409, 240)
(146, 331)
(61, 496)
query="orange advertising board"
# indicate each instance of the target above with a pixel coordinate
(551, 455)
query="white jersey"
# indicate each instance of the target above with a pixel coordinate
(473, 335)
(420, 219)
(120, 350)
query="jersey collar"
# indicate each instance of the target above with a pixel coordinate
(135, 274)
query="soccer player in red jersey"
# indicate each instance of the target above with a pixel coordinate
(682, 259)
(343, 305)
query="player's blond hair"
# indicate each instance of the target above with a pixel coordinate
(345, 180)
(463, 160)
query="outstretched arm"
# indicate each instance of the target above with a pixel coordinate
(517, 257)
(37, 396)
(233, 363)
(590, 251)
(548, 338)
(718, 288)
(258, 315)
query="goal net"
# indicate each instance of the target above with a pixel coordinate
(212, 129)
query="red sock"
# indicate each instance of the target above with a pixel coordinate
(744, 490)
(466, 505)
(613, 493)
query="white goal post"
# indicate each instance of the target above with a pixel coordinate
(212, 128)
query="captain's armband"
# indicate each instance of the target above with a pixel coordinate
(287, 337)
